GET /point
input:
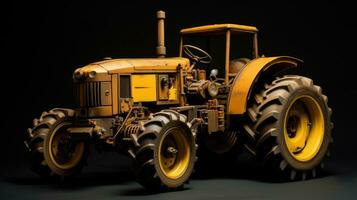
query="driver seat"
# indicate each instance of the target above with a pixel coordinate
(236, 65)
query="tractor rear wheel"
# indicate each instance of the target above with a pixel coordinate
(291, 122)
(51, 150)
(167, 152)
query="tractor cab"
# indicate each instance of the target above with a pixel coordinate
(220, 49)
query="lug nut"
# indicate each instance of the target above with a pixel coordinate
(172, 150)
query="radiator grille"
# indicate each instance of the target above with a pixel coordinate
(88, 94)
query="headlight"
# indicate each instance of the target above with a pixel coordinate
(81, 74)
(92, 74)
(78, 75)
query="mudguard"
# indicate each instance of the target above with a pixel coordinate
(244, 81)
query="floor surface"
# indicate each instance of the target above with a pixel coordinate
(107, 179)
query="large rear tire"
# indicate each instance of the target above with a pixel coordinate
(291, 123)
(166, 152)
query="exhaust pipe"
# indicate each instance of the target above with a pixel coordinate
(160, 49)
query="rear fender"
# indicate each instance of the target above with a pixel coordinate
(244, 81)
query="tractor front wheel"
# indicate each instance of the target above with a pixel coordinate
(167, 152)
(64, 155)
(52, 151)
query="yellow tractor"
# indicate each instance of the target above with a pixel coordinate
(154, 109)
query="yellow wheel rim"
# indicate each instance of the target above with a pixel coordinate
(304, 128)
(64, 153)
(174, 153)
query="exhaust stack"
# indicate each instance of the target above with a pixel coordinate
(160, 49)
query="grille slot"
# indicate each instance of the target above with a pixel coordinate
(88, 94)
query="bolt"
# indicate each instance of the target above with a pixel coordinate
(171, 150)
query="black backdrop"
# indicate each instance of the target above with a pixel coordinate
(45, 42)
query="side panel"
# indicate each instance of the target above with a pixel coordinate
(167, 93)
(100, 111)
(244, 81)
(115, 94)
(143, 87)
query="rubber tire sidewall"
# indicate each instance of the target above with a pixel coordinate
(308, 165)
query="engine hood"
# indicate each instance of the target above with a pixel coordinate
(142, 64)
(102, 70)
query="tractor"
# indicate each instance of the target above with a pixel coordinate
(154, 110)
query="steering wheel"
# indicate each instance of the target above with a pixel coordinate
(199, 55)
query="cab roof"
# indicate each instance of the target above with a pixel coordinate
(219, 28)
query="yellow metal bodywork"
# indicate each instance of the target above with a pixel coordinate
(143, 87)
(173, 94)
(244, 81)
(310, 128)
(142, 65)
(218, 28)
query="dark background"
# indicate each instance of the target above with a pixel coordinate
(45, 42)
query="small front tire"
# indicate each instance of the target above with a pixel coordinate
(64, 155)
(41, 138)
(167, 152)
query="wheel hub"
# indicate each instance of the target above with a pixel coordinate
(292, 126)
(171, 150)
(65, 148)
(170, 157)
(63, 151)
